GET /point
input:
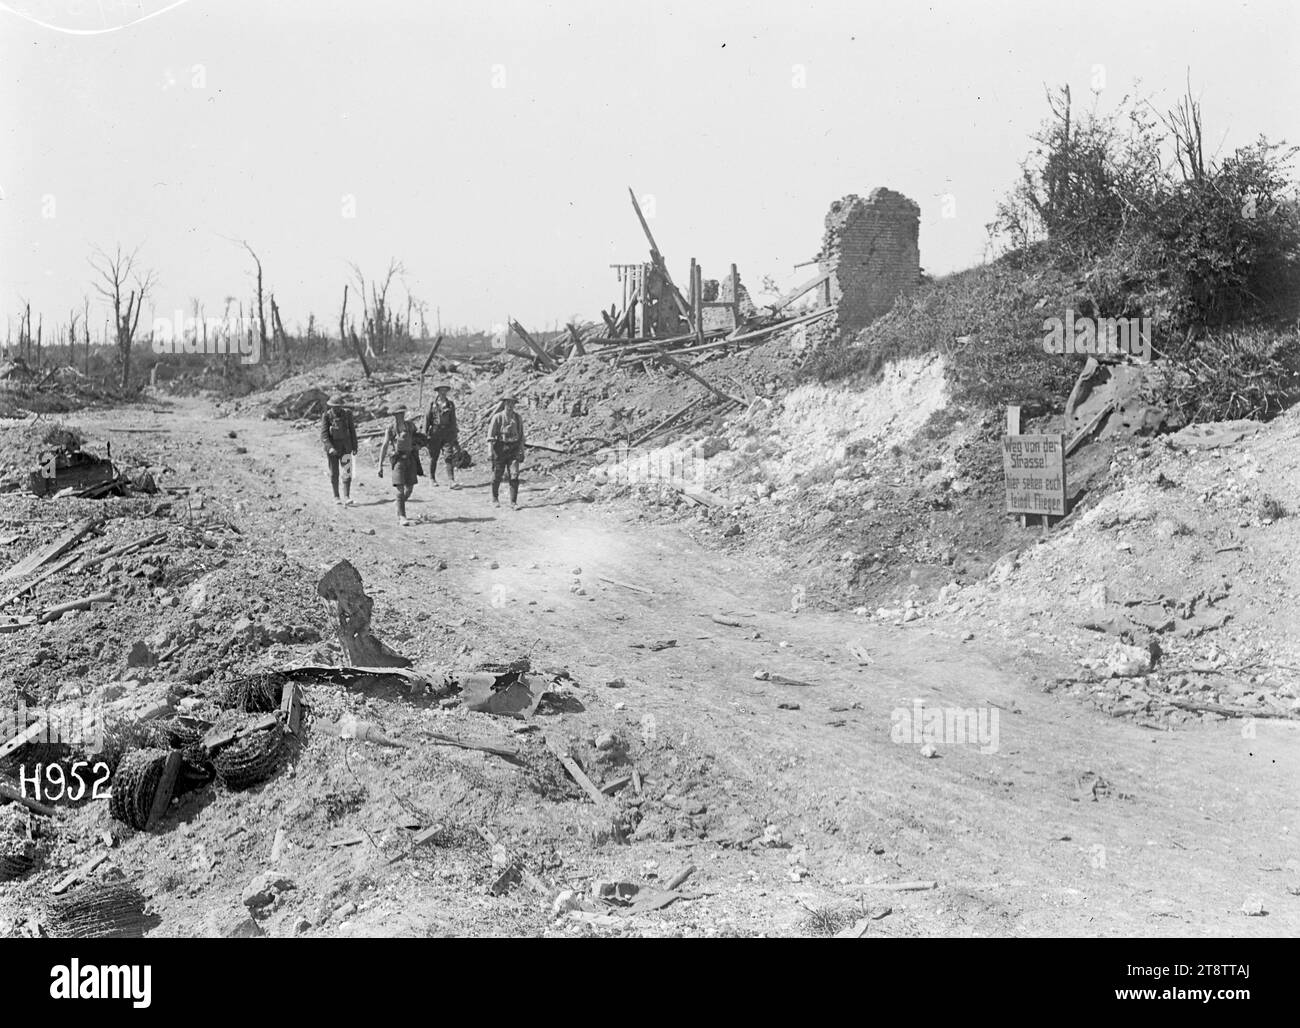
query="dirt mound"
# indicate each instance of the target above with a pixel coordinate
(1183, 551)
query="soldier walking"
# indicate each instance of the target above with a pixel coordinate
(506, 438)
(441, 431)
(338, 434)
(401, 450)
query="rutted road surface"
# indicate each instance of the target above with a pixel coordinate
(1184, 828)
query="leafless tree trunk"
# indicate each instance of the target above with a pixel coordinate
(72, 336)
(277, 327)
(116, 272)
(377, 316)
(343, 316)
(261, 311)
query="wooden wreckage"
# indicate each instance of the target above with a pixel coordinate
(657, 322)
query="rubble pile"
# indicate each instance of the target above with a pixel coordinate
(1159, 598)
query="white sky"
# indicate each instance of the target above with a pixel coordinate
(511, 197)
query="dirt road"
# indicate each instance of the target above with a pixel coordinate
(1059, 820)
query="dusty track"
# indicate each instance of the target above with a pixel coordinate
(1196, 821)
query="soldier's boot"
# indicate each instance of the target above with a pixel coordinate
(514, 492)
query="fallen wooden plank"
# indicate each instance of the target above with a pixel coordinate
(636, 781)
(54, 613)
(917, 886)
(53, 569)
(545, 357)
(139, 544)
(687, 371)
(609, 788)
(729, 622)
(219, 737)
(663, 424)
(788, 323)
(163, 794)
(55, 549)
(576, 773)
(799, 291)
(8, 792)
(484, 747)
(351, 840)
(427, 835)
(83, 872)
(291, 707)
(627, 585)
(29, 733)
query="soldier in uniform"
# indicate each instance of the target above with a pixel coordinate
(441, 431)
(401, 449)
(338, 434)
(506, 438)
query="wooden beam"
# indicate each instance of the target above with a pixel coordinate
(576, 773)
(429, 359)
(545, 357)
(53, 569)
(627, 585)
(64, 542)
(577, 340)
(789, 323)
(23, 738)
(139, 544)
(166, 786)
(687, 371)
(54, 613)
(291, 706)
(8, 792)
(657, 258)
(697, 289)
(84, 871)
(790, 297)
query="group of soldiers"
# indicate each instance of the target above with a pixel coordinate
(403, 441)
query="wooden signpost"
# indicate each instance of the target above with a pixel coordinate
(1034, 466)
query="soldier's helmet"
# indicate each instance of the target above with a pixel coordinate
(442, 386)
(510, 398)
(399, 409)
(337, 401)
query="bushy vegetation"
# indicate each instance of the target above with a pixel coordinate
(1120, 215)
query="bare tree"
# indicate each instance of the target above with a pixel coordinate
(85, 329)
(261, 312)
(118, 273)
(281, 337)
(378, 317)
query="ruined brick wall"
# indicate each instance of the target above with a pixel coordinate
(871, 249)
